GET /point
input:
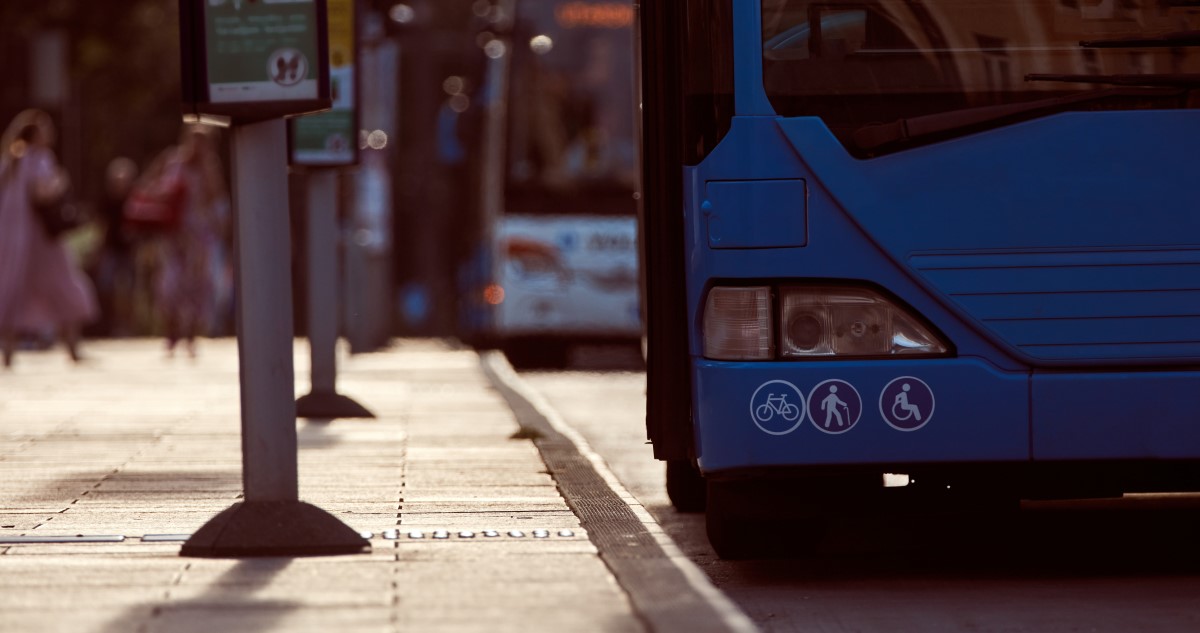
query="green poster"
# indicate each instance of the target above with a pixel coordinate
(330, 138)
(261, 50)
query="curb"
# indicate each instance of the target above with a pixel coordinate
(668, 591)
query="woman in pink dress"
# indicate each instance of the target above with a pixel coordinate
(41, 288)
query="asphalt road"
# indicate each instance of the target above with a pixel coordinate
(1130, 564)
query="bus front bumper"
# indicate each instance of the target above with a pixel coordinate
(957, 410)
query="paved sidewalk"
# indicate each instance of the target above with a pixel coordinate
(133, 444)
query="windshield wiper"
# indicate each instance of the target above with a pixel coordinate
(879, 134)
(1179, 80)
(1178, 38)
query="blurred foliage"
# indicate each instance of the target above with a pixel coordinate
(124, 75)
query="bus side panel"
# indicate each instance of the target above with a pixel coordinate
(771, 414)
(1116, 415)
(570, 276)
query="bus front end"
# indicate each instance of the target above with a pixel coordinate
(955, 241)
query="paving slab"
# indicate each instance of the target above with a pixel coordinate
(133, 443)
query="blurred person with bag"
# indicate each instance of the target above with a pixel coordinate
(41, 288)
(182, 202)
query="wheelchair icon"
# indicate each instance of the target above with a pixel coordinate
(906, 403)
(902, 409)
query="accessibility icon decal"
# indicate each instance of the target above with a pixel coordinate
(834, 406)
(906, 403)
(777, 407)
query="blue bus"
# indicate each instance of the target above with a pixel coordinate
(953, 241)
(558, 260)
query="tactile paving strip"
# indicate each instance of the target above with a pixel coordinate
(389, 534)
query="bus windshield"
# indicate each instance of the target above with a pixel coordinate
(570, 133)
(858, 65)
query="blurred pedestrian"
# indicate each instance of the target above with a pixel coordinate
(113, 267)
(41, 288)
(192, 262)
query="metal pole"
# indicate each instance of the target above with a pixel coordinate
(269, 470)
(323, 278)
(323, 401)
(272, 521)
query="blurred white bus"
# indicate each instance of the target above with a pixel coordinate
(558, 262)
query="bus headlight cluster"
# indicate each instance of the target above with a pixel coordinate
(738, 323)
(813, 321)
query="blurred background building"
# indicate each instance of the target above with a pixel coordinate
(412, 218)
(108, 72)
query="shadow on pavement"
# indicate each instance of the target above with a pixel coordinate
(228, 603)
(1134, 535)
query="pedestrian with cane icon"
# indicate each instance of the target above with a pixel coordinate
(830, 406)
(840, 402)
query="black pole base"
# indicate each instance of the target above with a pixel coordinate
(327, 405)
(273, 528)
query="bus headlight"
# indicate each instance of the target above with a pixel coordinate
(848, 321)
(737, 323)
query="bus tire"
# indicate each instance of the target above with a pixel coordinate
(686, 487)
(749, 519)
(731, 522)
(535, 354)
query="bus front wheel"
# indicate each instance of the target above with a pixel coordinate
(537, 354)
(686, 486)
(749, 519)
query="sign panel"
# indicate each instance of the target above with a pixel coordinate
(331, 138)
(250, 60)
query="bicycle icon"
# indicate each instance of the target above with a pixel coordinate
(774, 410)
(777, 404)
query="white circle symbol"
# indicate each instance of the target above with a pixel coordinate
(908, 408)
(777, 403)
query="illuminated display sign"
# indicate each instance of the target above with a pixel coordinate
(331, 138)
(608, 15)
(247, 60)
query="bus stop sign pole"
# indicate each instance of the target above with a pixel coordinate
(271, 521)
(323, 401)
(320, 146)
